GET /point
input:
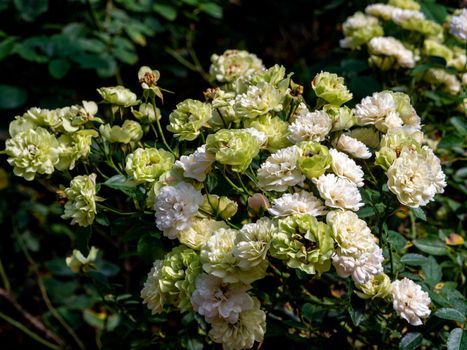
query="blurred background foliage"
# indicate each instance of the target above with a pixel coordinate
(57, 52)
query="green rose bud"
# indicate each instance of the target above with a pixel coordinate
(385, 157)
(118, 95)
(331, 88)
(216, 206)
(459, 61)
(147, 113)
(378, 287)
(383, 63)
(130, 131)
(314, 159)
(405, 4)
(304, 243)
(275, 129)
(423, 26)
(342, 117)
(433, 48)
(236, 148)
(146, 165)
(188, 118)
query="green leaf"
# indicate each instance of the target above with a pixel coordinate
(121, 183)
(311, 312)
(90, 61)
(211, 182)
(434, 11)
(58, 68)
(413, 259)
(366, 212)
(191, 2)
(194, 344)
(211, 9)
(419, 213)
(451, 141)
(397, 240)
(432, 271)
(83, 234)
(421, 68)
(12, 96)
(353, 65)
(411, 341)
(356, 315)
(431, 246)
(79, 302)
(135, 35)
(6, 46)
(166, 11)
(61, 229)
(29, 10)
(60, 290)
(125, 55)
(103, 220)
(150, 248)
(460, 124)
(457, 339)
(101, 321)
(107, 268)
(58, 267)
(4, 5)
(450, 314)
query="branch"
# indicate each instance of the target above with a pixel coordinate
(30, 318)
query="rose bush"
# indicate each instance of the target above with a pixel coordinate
(262, 215)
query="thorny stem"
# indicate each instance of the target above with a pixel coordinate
(94, 17)
(413, 226)
(43, 291)
(159, 128)
(196, 67)
(243, 185)
(111, 163)
(28, 332)
(235, 187)
(115, 211)
(30, 318)
(5, 280)
(222, 117)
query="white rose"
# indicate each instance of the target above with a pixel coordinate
(345, 167)
(410, 301)
(338, 193)
(353, 147)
